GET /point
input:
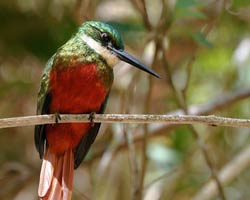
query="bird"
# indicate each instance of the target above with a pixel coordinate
(76, 80)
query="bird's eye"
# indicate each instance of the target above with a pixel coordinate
(105, 37)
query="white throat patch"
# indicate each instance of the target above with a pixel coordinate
(110, 58)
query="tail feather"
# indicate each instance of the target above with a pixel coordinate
(55, 190)
(56, 176)
(46, 174)
(68, 173)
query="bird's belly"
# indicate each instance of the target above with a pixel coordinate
(73, 90)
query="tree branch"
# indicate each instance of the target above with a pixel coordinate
(125, 118)
(207, 108)
(218, 104)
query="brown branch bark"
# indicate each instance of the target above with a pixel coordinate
(125, 118)
(204, 109)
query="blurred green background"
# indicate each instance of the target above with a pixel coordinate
(201, 48)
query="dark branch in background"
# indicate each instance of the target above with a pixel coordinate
(181, 98)
(204, 109)
(220, 103)
(141, 7)
(185, 88)
(207, 108)
(146, 131)
(134, 169)
(138, 195)
(227, 174)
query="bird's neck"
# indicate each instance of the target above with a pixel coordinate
(76, 53)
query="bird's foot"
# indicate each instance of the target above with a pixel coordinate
(57, 117)
(91, 118)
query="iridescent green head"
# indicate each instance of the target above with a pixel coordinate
(107, 42)
(102, 33)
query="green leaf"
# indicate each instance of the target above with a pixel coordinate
(181, 139)
(200, 39)
(185, 8)
(190, 12)
(180, 4)
(197, 14)
(240, 3)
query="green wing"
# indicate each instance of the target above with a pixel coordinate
(43, 102)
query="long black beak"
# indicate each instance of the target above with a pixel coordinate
(124, 56)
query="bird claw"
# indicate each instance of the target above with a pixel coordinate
(91, 118)
(57, 117)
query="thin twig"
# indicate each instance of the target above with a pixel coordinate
(132, 163)
(205, 109)
(144, 158)
(185, 88)
(211, 120)
(217, 104)
(228, 173)
(161, 177)
(141, 7)
(199, 140)
(134, 171)
(181, 100)
(208, 160)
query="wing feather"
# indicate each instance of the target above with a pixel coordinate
(88, 139)
(44, 99)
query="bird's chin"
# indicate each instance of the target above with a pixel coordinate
(112, 60)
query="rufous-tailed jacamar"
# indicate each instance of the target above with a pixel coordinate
(77, 79)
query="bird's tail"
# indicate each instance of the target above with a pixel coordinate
(56, 176)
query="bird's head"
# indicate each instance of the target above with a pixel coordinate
(107, 42)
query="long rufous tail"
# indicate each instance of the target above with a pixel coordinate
(56, 177)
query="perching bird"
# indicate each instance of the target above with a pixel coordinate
(76, 80)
